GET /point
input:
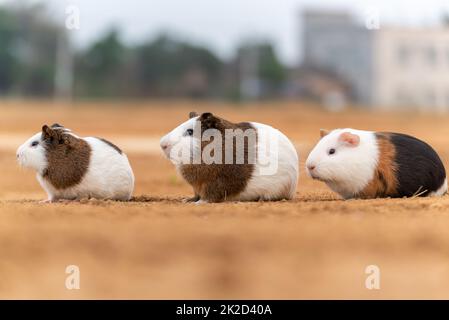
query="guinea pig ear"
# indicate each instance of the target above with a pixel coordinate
(324, 132)
(50, 134)
(47, 132)
(193, 114)
(349, 139)
(209, 121)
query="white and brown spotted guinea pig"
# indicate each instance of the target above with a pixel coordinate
(70, 167)
(226, 178)
(366, 164)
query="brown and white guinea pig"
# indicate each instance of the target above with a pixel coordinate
(70, 167)
(366, 164)
(262, 166)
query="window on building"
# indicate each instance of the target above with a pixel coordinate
(403, 54)
(430, 55)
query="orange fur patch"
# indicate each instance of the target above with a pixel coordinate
(384, 183)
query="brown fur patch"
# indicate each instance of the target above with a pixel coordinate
(384, 183)
(219, 182)
(111, 145)
(67, 156)
(193, 114)
(323, 133)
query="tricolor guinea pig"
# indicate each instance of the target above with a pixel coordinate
(222, 160)
(366, 164)
(70, 167)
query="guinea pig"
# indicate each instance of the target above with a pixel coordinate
(226, 161)
(71, 168)
(366, 164)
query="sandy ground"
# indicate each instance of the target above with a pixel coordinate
(315, 246)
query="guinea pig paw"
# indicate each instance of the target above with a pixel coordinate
(64, 201)
(190, 200)
(45, 201)
(70, 201)
(200, 202)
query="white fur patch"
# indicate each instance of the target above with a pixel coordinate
(177, 143)
(349, 170)
(281, 181)
(32, 157)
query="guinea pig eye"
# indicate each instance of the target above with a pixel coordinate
(189, 132)
(34, 143)
(331, 151)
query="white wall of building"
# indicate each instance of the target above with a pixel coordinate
(412, 68)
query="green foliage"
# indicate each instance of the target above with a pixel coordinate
(263, 63)
(27, 52)
(160, 67)
(8, 62)
(106, 56)
(165, 64)
(270, 68)
(99, 68)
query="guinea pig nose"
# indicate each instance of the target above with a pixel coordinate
(164, 146)
(310, 167)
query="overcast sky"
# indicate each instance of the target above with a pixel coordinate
(222, 24)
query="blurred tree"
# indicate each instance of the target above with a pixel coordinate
(170, 67)
(270, 67)
(8, 62)
(99, 68)
(27, 51)
(162, 67)
(35, 47)
(260, 72)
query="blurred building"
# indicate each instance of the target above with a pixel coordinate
(389, 67)
(333, 41)
(320, 85)
(412, 68)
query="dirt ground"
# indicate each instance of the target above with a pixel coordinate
(316, 246)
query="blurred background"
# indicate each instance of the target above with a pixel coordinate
(374, 54)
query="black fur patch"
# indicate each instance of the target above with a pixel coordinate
(419, 168)
(111, 145)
